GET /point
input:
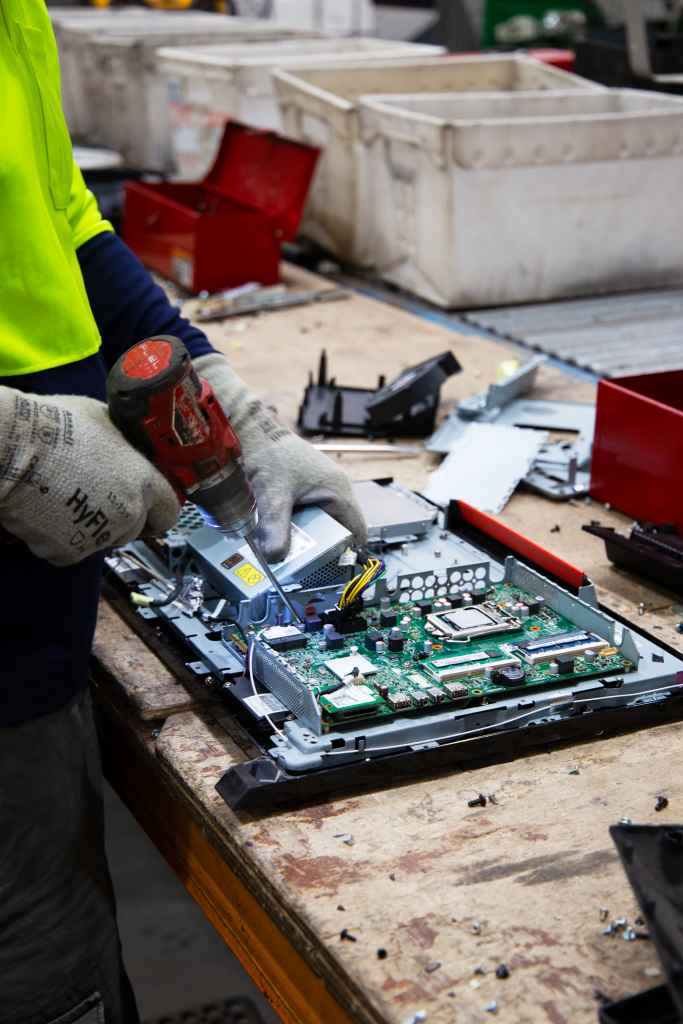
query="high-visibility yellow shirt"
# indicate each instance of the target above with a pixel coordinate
(46, 212)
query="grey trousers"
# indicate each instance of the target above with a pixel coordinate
(60, 956)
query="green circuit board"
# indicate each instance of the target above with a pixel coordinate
(455, 670)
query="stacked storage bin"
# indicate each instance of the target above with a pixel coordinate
(209, 84)
(322, 106)
(113, 94)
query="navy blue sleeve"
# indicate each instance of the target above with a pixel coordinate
(126, 303)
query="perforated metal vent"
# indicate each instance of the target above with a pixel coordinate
(281, 681)
(189, 520)
(414, 586)
(531, 583)
(324, 576)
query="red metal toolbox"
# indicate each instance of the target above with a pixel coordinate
(227, 229)
(637, 463)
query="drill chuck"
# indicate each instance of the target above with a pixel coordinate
(227, 501)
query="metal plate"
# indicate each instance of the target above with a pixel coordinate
(485, 465)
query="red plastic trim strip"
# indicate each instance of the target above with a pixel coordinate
(569, 573)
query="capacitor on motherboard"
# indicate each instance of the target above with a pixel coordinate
(383, 692)
(467, 600)
(428, 647)
(554, 668)
(380, 647)
(395, 642)
(406, 624)
(589, 657)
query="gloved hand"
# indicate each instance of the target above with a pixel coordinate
(284, 470)
(70, 484)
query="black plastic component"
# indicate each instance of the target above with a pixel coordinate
(313, 624)
(388, 618)
(288, 643)
(509, 676)
(534, 607)
(655, 554)
(565, 664)
(395, 643)
(606, 60)
(371, 638)
(334, 640)
(234, 701)
(652, 857)
(424, 606)
(456, 600)
(406, 406)
(654, 1006)
(478, 595)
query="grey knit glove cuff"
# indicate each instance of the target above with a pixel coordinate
(284, 470)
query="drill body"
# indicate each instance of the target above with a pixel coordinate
(166, 411)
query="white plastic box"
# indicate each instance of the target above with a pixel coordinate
(333, 17)
(321, 107)
(486, 200)
(76, 73)
(208, 84)
(116, 90)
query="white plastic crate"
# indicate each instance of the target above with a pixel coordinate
(321, 107)
(208, 84)
(77, 75)
(116, 92)
(481, 200)
(333, 17)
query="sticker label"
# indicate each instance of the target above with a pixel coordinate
(188, 426)
(264, 704)
(147, 359)
(348, 558)
(350, 695)
(249, 574)
(299, 543)
(231, 562)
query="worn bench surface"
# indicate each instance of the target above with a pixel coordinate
(441, 887)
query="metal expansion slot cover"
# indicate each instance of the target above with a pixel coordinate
(272, 670)
(535, 652)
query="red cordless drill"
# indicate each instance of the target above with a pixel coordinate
(166, 411)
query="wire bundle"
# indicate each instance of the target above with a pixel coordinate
(373, 570)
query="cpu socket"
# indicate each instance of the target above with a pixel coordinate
(472, 621)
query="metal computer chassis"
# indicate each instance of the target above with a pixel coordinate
(372, 750)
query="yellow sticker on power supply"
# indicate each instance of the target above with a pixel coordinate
(249, 574)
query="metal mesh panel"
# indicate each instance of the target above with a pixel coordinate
(283, 682)
(324, 576)
(530, 582)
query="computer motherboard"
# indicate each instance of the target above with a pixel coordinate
(418, 651)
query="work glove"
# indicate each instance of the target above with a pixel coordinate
(283, 469)
(70, 484)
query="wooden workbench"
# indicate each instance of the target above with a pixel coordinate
(407, 868)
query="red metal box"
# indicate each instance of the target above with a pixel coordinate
(637, 463)
(227, 229)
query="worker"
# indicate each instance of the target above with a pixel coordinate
(73, 298)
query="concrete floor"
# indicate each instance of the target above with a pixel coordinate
(175, 958)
